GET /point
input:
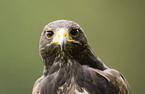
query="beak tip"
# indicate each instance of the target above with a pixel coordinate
(62, 47)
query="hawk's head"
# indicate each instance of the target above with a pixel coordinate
(65, 40)
(62, 37)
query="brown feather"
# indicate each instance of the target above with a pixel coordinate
(115, 78)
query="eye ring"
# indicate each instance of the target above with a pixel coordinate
(49, 34)
(74, 32)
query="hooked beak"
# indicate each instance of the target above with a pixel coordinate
(61, 38)
(62, 41)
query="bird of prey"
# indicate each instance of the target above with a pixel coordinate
(71, 66)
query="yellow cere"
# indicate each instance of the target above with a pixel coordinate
(61, 32)
(58, 34)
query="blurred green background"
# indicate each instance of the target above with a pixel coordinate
(115, 30)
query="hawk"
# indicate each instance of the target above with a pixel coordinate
(71, 66)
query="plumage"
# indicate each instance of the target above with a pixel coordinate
(71, 66)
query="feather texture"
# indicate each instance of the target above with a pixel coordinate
(75, 69)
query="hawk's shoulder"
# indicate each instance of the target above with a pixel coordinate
(37, 85)
(114, 77)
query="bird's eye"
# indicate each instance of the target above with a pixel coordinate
(49, 34)
(74, 32)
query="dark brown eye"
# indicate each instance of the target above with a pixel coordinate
(49, 34)
(74, 32)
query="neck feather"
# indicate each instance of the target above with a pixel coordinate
(86, 57)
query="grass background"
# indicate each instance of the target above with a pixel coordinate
(115, 30)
